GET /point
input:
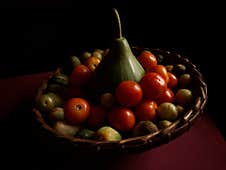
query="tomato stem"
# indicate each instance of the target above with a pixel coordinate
(78, 107)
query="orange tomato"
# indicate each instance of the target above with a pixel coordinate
(92, 62)
(76, 110)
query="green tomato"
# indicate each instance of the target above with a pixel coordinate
(97, 53)
(179, 69)
(85, 55)
(144, 128)
(180, 110)
(183, 97)
(164, 124)
(169, 68)
(48, 101)
(65, 129)
(60, 78)
(167, 111)
(184, 80)
(99, 50)
(107, 133)
(74, 61)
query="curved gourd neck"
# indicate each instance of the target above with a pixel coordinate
(117, 22)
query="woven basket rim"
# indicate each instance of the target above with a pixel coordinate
(176, 129)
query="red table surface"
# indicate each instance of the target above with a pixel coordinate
(202, 147)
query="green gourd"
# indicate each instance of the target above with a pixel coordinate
(119, 64)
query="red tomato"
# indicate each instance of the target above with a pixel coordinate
(97, 116)
(122, 119)
(160, 69)
(92, 63)
(146, 110)
(80, 76)
(167, 96)
(153, 85)
(173, 81)
(76, 110)
(147, 60)
(128, 93)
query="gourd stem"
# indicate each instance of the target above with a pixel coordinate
(118, 29)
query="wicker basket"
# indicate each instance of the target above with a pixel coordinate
(141, 143)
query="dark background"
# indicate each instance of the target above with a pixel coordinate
(36, 36)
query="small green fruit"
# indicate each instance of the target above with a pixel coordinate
(107, 133)
(65, 129)
(183, 97)
(144, 128)
(169, 68)
(74, 61)
(179, 69)
(184, 80)
(180, 110)
(167, 111)
(85, 55)
(97, 53)
(48, 101)
(164, 124)
(60, 78)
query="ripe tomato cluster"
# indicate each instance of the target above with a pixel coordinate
(142, 98)
(131, 103)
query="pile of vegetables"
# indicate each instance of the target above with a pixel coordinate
(74, 105)
(109, 95)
